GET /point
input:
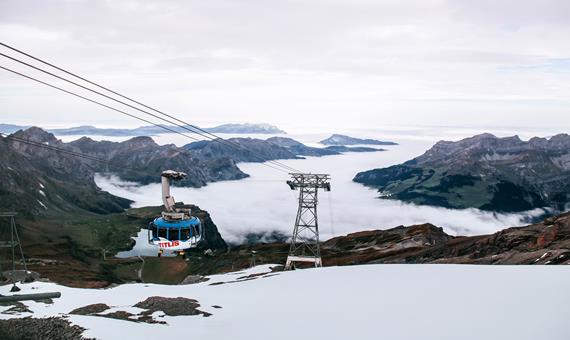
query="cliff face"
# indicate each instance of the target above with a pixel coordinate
(485, 172)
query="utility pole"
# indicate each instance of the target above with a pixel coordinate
(305, 241)
(252, 262)
(12, 243)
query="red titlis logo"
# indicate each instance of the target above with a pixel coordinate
(169, 244)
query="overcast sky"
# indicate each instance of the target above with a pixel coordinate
(340, 63)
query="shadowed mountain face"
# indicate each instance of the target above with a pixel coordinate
(38, 181)
(144, 154)
(239, 150)
(485, 172)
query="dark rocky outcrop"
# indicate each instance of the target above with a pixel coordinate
(171, 306)
(212, 237)
(485, 172)
(547, 242)
(35, 328)
(90, 309)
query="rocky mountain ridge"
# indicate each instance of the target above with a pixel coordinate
(149, 130)
(546, 242)
(259, 150)
(543, 243)
(36, 180)
(246, 128)
(145, 154)
(485, 172)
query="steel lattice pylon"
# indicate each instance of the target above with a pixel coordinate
(305, 239)
(12, 244)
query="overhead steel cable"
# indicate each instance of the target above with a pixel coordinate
(111, 108)
(95, 102)
(187, 126)
(91, 90)
(130, 99)
(133, 107)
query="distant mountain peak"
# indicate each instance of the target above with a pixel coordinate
(36, 134)
(338, 139)
(284, 141)
(485, 135)
(246, 128)
(140, 141)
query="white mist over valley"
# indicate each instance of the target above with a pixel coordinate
(263, 203)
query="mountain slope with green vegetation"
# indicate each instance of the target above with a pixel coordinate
(35, 181)
(485, 172)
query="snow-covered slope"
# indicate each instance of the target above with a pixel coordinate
(359, 302)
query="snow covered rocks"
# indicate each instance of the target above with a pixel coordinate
(150, 308)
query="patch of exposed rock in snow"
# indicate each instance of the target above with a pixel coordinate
(439, 302)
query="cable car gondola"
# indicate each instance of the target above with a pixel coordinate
(176, 229)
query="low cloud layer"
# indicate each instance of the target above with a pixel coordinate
(264, 203)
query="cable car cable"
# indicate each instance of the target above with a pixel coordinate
(201, 133)
(123, 96)
(109, 107)
(94, 91)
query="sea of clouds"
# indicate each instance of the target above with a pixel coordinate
(263, 203)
